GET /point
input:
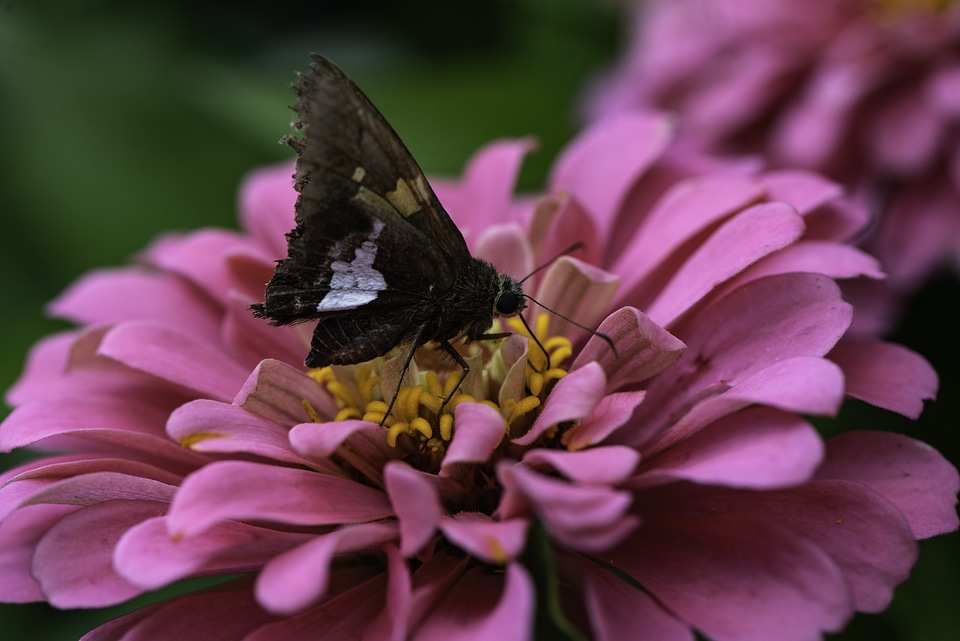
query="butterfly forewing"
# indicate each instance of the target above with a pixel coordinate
(350, 146)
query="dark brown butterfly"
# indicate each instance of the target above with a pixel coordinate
(374, 257)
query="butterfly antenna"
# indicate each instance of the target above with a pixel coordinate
(569, 250)
(536, 340)
(600, 335)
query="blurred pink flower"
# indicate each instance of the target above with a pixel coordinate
(865, 92)
(671, 487)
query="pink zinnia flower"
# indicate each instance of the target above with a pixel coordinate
(673, 487)
(865, 92)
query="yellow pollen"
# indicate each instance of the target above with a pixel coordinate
(496, 551)
(199, 437)
(311, 413)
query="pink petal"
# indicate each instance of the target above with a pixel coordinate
(483, 605)
(828, 258)
(277, 391)
(737, 244)
(267, 198)
(612, 412)
(599, 170)
(597, 466)
(295, 580)
(573, 397)
(149, 558)
(176, 357)
(643, 348)
(804, 190)
(341, 617)
(681, 215)
(583, 517)
(480, 429)
(97, 487)
(416, 504)
(558, 223)
(211, 426)
(765, 321)
(94, 423)
(803, 384)
(905, 134)
(506, 247)
(495, 542)
(241, 490)
(74, 560)
(130, 294)
(886, 375)
(736, 577)
(20, 532)
(621, 612)
(392, 622)
(200, 257)
(250, 338)
(483, 195)
(911, 475)
(321, 440)
(225, 613)
(756, 448)
(578, 291)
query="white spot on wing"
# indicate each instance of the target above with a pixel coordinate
(357, 282)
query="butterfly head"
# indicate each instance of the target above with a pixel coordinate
(510, 299)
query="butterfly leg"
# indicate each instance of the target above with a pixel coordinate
(403, 372)
(464, 370)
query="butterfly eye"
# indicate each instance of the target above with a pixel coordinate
(508, 303)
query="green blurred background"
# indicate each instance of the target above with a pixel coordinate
(119, 121)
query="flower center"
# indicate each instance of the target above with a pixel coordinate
(419, 424)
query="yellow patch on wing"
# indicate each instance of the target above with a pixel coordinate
(403, 200)
(358, 174)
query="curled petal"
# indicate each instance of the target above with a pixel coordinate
(480, 429)
(584, 517)
(574, 397)
(149, 558)
(416, 504)
(241, 490)
(598, 465)
(292, 581)
(176, 357)
(643, 348)
(496, 542)
(211, 426)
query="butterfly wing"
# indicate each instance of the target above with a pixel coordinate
(370, 231)
(349, 142)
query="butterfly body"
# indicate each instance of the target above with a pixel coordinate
(374, 258)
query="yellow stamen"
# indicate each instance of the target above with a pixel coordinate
(311, 413)
(346, 413)
(446, 427)
(523, 406)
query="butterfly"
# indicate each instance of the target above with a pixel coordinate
(374, 258)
